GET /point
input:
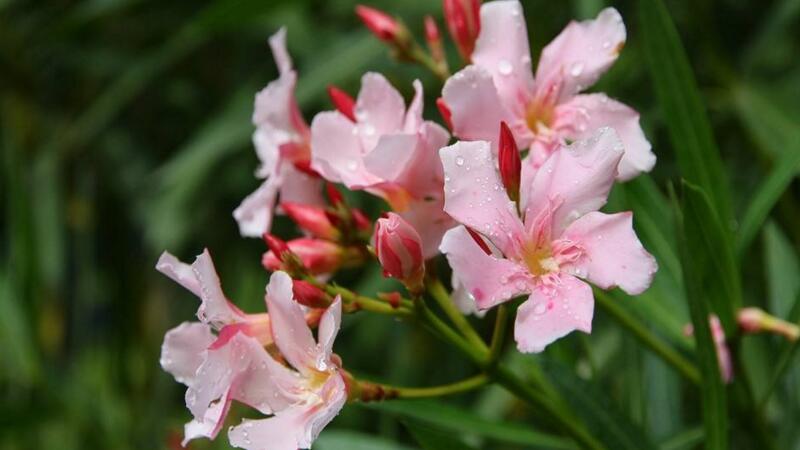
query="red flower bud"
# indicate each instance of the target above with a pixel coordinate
(309, 295)
(343, 102)
(305, 167)
(379, 23)
(276, 245)
(361, 220)
(464, 23)
(392, 298)
(399, 250)
(479, 240)
(444, 110)
(317, 256)
(312, 219)
(334, 196)
(434, 40)
(510, 163)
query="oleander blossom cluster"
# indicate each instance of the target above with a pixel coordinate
(511, 201)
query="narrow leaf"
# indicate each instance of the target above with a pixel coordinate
(433, 439)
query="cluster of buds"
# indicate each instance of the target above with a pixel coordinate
(336, 238)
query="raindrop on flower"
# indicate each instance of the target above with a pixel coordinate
(459, 161)
(504, 67)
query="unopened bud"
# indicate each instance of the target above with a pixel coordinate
(343, 102)
(444, 110)
(312, 219)
(399, 250)
(334, 196)
(276, 245)
(755, 320)
(392, 298)
(382, 25)
(464, 23)
(434, 40)
(361, 220)
(309, 295)
(510, 162)
(317, 256)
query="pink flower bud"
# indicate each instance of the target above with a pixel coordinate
(464, 23)
(277, 246)
(399, 249)
(755, 320)
(434, 40)
(343, 102)
(317, 256)
(444, 110)
(361, 220)
(510, 163)
(751, 320)
(379, 23)
(334, 196)
(312, 219)
(309, 295)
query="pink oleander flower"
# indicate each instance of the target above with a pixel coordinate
(234, 365)
(282, 142)
(389, 152)
(547, 111)
(559, 237)
(720, 345)
(399, 250)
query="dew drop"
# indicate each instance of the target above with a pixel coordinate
(577, 69)
(504, 67)
(459, 161)
(539, 309)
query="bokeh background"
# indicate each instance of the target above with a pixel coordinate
(125, 130)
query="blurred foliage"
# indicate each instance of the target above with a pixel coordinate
(125, 130)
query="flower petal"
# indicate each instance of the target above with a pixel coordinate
(254, 214)
(577, 57)
(463, 300)
(392, 156)
(275, 107)
(613, 254)
(474, 103)
(179, 272)
(299, 187)
(214, 309)
(336, 151)
(211, 422)
(380, 109)
(328, 328)
(474, 195)
(277, 43)
(289, 327)
(182, 350)
(552, 312)
(502, 49)
(583, 114)
(578, 176)
(413, 119)
(490, 280)
(430, 221)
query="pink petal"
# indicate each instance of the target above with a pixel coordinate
(553, 312)
(215, 308)
(463, 300)
(277, 43)
(613, 254)
(336, 152)
(182, 350)
(490, 280)
(430, 221)
(179, 272)
(380, 109)
(392, 156)
(475, 106)
(267, 142)
(577, 57)
(289, 327)
(295, 427)
(254, 214)
(299, 187)
(579, 176)
(502, 49)
(413, 119)
(474, 195)
(275, 107)
(328, 328)
(267, 385)
(211, 422)
(581, 115)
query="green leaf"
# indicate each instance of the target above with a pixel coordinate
(352, 440)
(462, 421)
(603, 419)
(781, 271)
(711, 258)
(684, 440)
(677, 93)
(433, 439)
(694, 217)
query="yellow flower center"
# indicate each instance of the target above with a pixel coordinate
(539, 117)
(540, 261)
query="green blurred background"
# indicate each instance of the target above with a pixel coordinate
(125, 130)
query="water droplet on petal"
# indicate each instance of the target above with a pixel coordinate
(505, 67)
(577, 69)
(459, 161)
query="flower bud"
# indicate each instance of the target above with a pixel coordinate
(444, 110)
(510, 163)
(277, 246)
(755, 320)
(464, 23)
(334, 196)
(392, 298)
(312, 219)
(361, 220)
(309, 295)
(343, 102)
(382, 25)
(434, 40)
(399, 250)
(316, 255)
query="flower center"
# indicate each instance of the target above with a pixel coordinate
(541, 261)
(539, 117)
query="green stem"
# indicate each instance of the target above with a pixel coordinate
(419, 55)
(361, 302)
(464, 385)
(432, 322)
(498, 334)
(439, 293)
(646, 337)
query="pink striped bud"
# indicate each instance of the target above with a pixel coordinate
(316, 255)
(464, 23)
(399, 249)
(510, 163)
(343, 102)
(312, 219)
(382, 25)
(309, 295)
